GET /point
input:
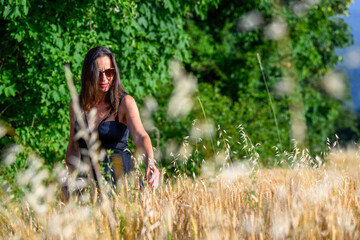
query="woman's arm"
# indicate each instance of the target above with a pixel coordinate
(72, 151)
(141, 138)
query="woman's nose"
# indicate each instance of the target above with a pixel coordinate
(102, 75)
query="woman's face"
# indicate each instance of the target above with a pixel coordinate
(106, 73)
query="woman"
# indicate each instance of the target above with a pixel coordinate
(117, 114)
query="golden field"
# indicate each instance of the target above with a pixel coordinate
(238, 202)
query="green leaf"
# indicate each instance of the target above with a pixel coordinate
(7, 11)
(56, 96)
(168, 5)
(2, 88)
(16, 12)
(59, 42)
(62, 90)
(18, 37)
(142, 21)
(9, 91)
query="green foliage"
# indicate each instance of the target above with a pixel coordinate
(39, 37)
(224, 55)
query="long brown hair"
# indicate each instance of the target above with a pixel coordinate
(90, 77)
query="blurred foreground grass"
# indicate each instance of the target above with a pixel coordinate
(304, 202)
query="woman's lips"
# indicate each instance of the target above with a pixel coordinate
(103, 84)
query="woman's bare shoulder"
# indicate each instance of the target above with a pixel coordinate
(128, 101)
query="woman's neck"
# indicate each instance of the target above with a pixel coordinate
(100, 98)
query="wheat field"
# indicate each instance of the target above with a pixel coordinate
(238, 202)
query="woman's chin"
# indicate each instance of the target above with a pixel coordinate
(104, 88)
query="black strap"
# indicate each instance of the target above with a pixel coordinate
(117, 115)
(111, 111)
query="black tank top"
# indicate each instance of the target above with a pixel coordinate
(113, 136)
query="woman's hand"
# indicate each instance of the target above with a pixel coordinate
(153, 173)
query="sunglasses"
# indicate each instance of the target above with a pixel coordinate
(109, 73)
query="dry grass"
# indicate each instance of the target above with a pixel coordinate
(306, 203)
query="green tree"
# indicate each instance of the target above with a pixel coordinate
(40, 36)
(224, 46)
